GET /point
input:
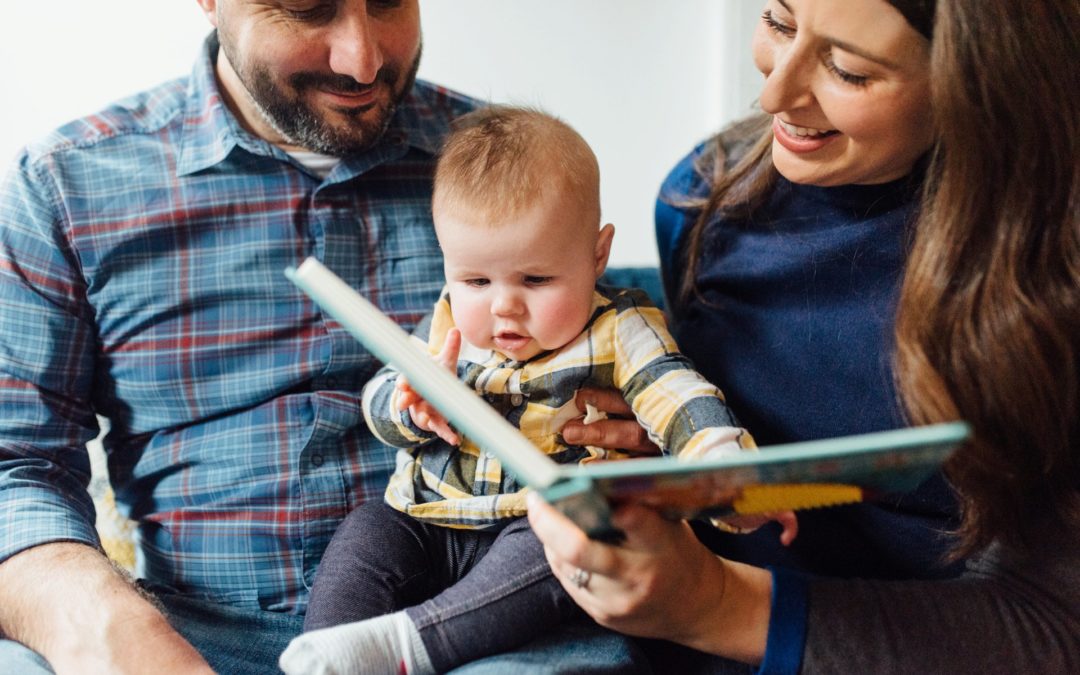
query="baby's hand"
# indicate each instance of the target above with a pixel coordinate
(787, 519)
(423, 414)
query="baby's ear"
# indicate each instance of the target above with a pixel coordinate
(603, 248)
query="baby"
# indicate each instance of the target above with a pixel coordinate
(447, 571)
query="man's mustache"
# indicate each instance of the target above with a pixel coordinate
(342, 84)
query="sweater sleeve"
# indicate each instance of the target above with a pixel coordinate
(1011, 612)
(674, 216)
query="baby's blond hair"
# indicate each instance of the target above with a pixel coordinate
(500, 159)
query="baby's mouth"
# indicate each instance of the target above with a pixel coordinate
(509, 341)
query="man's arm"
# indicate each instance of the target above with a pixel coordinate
(63, 600)
(68, 603)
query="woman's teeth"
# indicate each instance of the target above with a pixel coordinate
(804, 132)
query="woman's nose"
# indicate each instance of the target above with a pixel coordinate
(787, 82)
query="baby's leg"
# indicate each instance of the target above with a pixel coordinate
(378, 562)
(508, 598)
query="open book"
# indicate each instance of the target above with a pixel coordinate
(780, 477)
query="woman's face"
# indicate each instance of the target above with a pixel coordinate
(847, 84)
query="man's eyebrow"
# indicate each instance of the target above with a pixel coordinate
(848, 47)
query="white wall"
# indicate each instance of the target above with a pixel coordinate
(642, 80)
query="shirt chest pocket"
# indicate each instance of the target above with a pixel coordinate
(408, 264)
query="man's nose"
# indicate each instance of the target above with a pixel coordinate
(354, 45)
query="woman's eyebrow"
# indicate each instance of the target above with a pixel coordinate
(848, 47)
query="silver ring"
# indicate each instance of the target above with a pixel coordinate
(580, 577)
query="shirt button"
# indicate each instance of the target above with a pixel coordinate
(516, 399)
(316, 460)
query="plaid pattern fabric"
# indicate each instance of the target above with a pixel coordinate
(141, 260)
(625, 345)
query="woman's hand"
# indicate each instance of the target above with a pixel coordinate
(619, 432)
(661, 582)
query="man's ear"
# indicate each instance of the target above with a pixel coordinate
(209, 8)
(603, 248)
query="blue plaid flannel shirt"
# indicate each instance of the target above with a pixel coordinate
(141, 259)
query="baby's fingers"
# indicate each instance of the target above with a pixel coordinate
(451, 348)
(406, 395)
(429, 419)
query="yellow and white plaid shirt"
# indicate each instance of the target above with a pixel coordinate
(625, 345)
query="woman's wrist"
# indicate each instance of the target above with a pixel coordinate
(735, 624)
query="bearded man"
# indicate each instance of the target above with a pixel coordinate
(141, 259)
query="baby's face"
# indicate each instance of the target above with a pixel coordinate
(522, 286)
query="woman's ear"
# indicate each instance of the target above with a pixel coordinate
(603, 248)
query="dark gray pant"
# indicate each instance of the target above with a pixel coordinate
(470, 593)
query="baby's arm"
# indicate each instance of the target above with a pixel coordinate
(684, 413)
(389, 404)
(423, 414)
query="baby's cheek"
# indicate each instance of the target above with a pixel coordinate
(472, 322)
(561, 320)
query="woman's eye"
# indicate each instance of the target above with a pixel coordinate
(775, 25)
(845, 76)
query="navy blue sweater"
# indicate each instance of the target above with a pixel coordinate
(795, 326)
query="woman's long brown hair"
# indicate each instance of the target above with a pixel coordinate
(737, 188)
(989, 315)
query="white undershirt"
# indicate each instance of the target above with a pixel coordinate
(318, 164)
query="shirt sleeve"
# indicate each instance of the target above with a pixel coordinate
(47, 366)
(682, 412)
(1011, 612)
(379, 401)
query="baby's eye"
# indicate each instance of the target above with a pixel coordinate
(478, 282)
(537, 281)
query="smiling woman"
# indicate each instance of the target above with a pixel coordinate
(902, 225)
(848, 93)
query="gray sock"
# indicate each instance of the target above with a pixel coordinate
(385, 645)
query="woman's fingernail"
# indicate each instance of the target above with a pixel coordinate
(572, 434)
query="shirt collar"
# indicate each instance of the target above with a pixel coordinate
(211, 131)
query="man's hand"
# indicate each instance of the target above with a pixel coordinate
(423, 414)
(67, 602)
(620, 431)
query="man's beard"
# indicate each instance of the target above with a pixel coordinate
(290, 116)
